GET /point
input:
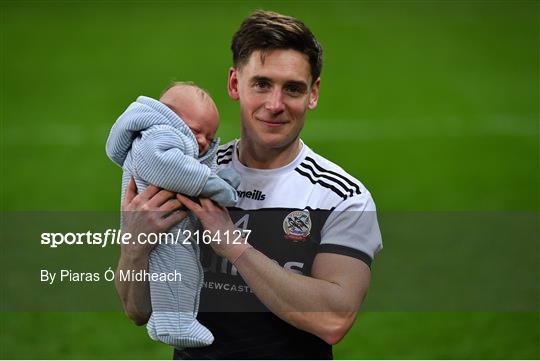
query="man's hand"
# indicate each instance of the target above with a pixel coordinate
(217, 220)
(151, 211)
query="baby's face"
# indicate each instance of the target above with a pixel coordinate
(199, 114)
(203, 120)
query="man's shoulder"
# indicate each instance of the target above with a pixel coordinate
(318, 168)
(224, 153)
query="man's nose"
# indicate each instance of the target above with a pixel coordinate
(274, 102)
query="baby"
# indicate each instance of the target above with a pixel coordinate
(170, 143)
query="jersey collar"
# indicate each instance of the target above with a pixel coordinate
(242, 169)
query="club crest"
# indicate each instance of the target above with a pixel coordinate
(297, 225)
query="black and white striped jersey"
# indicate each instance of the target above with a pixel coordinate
(312, 183)
(294, 212)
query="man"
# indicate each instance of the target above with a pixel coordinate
(301, 274)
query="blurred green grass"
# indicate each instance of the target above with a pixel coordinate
(433, 105)
(374, 336)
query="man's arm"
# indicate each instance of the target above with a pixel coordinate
(135, 296)
(324, 304)
(153, 210)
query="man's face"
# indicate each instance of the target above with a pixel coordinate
(275, 91)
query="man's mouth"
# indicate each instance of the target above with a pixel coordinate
(273, 123)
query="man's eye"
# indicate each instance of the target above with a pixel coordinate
(261, 84)
(294, 90)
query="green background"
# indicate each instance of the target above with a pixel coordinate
(433, 105)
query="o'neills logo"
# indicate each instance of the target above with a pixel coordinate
(297, 225)
(254, 194)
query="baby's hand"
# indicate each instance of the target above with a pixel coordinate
(220, 191)
(230, 176)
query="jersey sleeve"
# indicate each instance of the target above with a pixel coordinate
(352, 229)
(161, 161)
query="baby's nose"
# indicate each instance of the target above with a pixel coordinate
(203, 145)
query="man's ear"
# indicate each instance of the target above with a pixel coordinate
(232, 84)
(314, 94)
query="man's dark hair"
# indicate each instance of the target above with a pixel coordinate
(267, 30)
